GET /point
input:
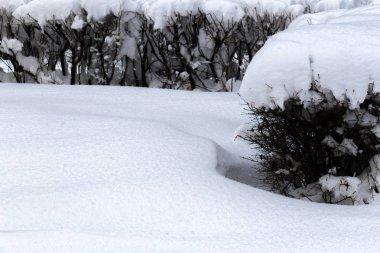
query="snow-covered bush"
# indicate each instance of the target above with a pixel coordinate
(313, 91)
(198, 49)
(192, 50)
(319, 140)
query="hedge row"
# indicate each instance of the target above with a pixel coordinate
(196, 51)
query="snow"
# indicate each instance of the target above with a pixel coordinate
(346, 147)
(98, 9)
(128, 47)
(340, 187)
(227, 10)
(29, 63)
(338, 49)
(43, 10)
(116, 169)
(113, 169)
(376, 130)
(14, 47)
(78, 23)
(10, 5)
(161, 10)
(323, 5)
(10, 46)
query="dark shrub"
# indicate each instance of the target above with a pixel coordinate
(306, 140)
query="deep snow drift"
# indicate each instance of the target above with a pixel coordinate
(111, 169)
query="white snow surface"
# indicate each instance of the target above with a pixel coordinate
(113, 169)
(337, 48)
(43, 10)
(10, 5)
(78, 23)
(161, 10)
(223, 10)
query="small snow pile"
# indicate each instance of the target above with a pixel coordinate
(10, 46)
(339, 49)
(11, 50)
(78, 23)
(340, 188)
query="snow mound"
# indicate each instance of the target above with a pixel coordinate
(43, 10)
(10, 6)
(323, 5)
(162, 10)
(223, 10)
(111, 169)
(338, 49)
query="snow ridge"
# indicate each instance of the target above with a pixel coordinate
(161, 10)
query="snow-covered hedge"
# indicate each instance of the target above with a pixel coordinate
(186, 44)
(319, 149)
(340, 49)
(314, 92)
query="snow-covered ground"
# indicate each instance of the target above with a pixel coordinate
(113, 169)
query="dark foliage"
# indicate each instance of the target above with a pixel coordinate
(195, 50)
(308, 139)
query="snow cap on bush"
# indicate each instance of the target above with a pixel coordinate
(10, 5)
(161, 10)
(343, 58)
(43, 10)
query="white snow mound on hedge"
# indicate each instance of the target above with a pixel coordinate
(339, 49)
(43, 10)
(223, 10)
(161, 10)
(10, 5)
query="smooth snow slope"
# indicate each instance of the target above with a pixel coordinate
(112, 169)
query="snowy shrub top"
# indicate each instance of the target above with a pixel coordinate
(43, 10)
(226, 10)
(160, 10)
(338, 49)
(10, 5)
(324, 5)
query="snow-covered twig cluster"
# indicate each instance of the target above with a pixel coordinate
(196, 50)
(319, 149)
